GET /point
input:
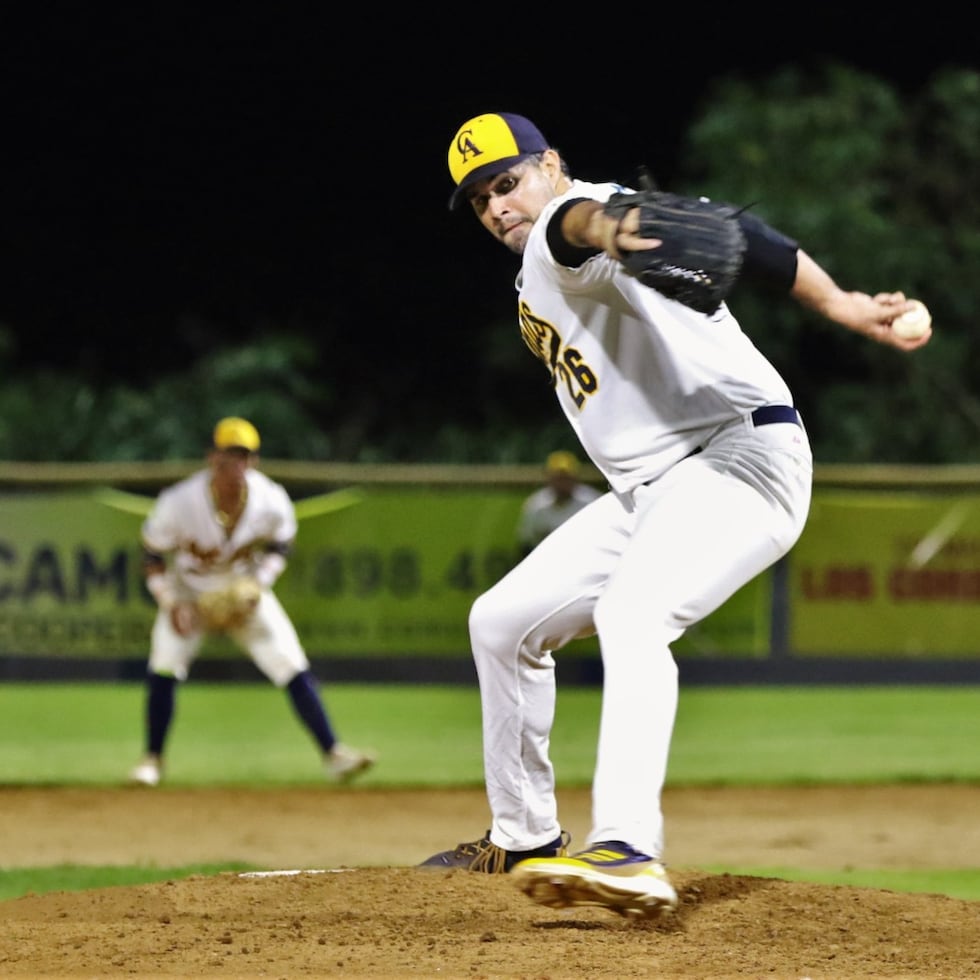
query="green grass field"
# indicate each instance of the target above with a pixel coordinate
(245, 734)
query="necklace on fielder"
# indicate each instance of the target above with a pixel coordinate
(227, 517)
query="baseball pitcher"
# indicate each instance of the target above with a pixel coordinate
(622, 296)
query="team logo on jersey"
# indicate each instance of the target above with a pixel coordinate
(565, 364)
(541, 337)
(210, 559)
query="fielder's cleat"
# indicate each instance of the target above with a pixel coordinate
(610, 874)
(343, 763)
(481, 855)
(147, 773)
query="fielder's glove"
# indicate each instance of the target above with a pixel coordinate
(228, 608)
(702, 249)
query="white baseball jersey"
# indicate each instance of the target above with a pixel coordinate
(184, 526)
(542, 512)
(184, 522)
(643, 379)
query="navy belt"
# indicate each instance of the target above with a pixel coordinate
(769, 414)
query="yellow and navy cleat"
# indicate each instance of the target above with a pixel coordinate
(482, 855)
(610, 874)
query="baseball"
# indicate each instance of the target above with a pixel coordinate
(913, 324)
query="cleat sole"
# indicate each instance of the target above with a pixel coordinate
(561, 891)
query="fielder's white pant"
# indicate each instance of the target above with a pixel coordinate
(636, 571)
(268, 637)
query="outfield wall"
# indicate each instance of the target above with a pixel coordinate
(883, 585)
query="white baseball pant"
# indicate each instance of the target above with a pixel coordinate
(637, 572)
(268, 637)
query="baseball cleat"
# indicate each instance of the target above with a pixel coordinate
(147, 773)
(343, 763)
(481, 855)
(610, 874)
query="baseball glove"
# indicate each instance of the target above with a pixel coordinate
(702, 249)
(230, 607)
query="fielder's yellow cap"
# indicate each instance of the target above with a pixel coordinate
(236, 433)
(561, 462)
(487, 145)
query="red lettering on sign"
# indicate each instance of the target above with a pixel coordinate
(934, 584)
(853, 582)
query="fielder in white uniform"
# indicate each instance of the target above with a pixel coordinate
(218, 525)
(562, 495)
(710, 474)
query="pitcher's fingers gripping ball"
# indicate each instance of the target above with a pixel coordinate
(914, 323)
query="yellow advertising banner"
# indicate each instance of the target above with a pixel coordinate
(894, 574)
(69, 578)
(392, 571)
(397, 571)
(377, 572)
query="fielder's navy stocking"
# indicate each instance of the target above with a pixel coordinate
(159, 710)
(303, 693)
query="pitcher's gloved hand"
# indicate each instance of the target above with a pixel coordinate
(699, 259)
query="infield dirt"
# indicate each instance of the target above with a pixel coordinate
(359, 908)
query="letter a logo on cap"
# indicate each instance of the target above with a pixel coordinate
(465, 145)
(487, 145)
(482, 140)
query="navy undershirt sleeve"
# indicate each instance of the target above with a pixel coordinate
(770, 256)
(568, 255)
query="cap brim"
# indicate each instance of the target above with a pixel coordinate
(459, 196)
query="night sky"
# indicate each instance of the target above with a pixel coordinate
(271, 165)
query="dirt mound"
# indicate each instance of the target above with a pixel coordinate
(340, 897)
(406, 922)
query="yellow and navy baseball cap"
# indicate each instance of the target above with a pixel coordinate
(487, 145)
(236, 433)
